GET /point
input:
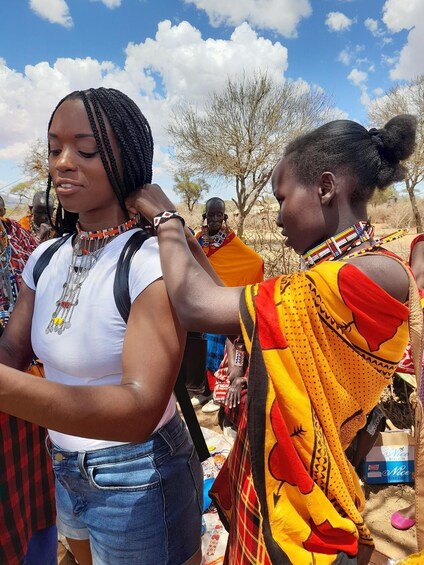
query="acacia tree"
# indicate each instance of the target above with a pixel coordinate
(240, 132)
(189, 190)
(35, 167)
(406, 99)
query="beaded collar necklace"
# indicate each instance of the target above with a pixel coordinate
(88, 247)
(213, 240)
(33, 228)
(379, 242)
(109, 232)
(336, 246)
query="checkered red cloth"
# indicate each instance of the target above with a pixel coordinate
(246, 544)
(26, 487)
(26, 476)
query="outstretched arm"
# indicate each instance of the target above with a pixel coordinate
(201, 304)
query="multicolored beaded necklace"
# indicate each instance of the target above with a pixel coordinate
(8, 282)
(213, 240)
(379, 242)
(336, 246)
(33, 228)
(87, 249)
(342, 243)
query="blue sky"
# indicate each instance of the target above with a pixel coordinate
(162, 52)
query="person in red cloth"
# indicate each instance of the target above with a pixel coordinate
(27, 507)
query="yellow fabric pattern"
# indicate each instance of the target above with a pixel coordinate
(325, 343)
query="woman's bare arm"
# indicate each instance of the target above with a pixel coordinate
(153, 348)
(15, 342)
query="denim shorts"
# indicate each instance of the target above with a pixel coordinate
(136, 503)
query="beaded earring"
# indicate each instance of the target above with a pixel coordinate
(205, 232)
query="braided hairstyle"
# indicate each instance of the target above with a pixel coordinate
(134, 138)
(371, 157)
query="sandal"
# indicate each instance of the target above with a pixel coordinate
(400, 522)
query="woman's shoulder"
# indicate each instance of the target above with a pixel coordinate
(387, 270)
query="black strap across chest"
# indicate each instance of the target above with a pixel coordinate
(122, 299)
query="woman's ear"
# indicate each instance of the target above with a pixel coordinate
(327, 187)
(225, 217)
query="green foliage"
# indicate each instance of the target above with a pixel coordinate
(25, 190)
(189, 190)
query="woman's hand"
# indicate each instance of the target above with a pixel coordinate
(149, 200)
(233, 398)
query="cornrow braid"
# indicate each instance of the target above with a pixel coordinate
(102, 139)
(134, 139)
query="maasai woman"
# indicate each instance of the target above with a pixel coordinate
(323, 344)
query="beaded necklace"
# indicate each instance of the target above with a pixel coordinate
(33, 228)
(213, 240)
(379, 242)
(87, 249)
(8, 282)
(336, 246)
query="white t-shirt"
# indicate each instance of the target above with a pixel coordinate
(89, 352)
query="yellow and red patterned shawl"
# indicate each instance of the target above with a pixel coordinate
(323, 344)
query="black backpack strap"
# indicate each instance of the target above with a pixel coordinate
(45, 257)
(121, 294)
(121, 287)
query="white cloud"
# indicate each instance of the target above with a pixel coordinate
(190, 66)
(399, 15)
(279, 15)
(175, 66)
(371, 25)
(55, 11)
(345, 57)
(336, 21)
(111, 3)
(378, 91)
(357, 77)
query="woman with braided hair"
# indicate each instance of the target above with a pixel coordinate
(127, 475)
(322, 344)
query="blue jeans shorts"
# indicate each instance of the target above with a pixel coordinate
(136, 503)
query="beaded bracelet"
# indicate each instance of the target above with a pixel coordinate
(164, 217)
(239, 358)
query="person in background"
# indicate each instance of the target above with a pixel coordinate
(322, 343)
(2, 208)
(236, 264)
(127, 474)
(38, 220)
(27, 508)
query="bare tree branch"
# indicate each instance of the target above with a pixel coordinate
(240, 133)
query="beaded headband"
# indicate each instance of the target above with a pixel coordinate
(335, 246)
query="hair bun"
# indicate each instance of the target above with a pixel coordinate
(377, 136)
